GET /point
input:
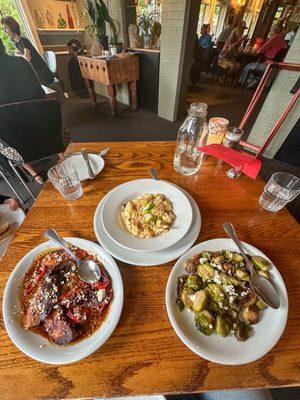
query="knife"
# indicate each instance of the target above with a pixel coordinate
(87, 160)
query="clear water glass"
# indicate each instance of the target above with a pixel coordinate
(191, 134)
(281, 189)
(65, 179)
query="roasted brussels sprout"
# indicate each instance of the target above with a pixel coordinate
(228, 255)
(215, 292)
(242, 330)
(249, 299)
(242, 274)
(190, 266)
(237, 258)
(206, 254)
(194, 282)
(205, 271)
(229, 280)
(265, 274)
(261, 305)
(179, 304)
(261, 263)
(250, 315)
(204, 322)
(214, 308)
(223, 325)
(185, 297)
(217, 259)
(199, 300)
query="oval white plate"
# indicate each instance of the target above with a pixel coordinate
(12, 217)
(112, 206)
(227, 350)
(39, 348)
(149, 258)
(97, 165)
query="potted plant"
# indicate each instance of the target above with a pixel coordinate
(145, 24)
(99, 14)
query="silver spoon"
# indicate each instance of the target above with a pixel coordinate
(87, 270)
(260, 285)
(154, 174)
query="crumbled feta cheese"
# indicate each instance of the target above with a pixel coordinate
(100, 294)
(210, 325)
(216, 278)
(192, 297)
(203, 260)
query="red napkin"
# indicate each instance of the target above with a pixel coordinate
(242, 162)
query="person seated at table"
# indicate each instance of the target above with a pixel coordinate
(224, 35)
(13, 203)
(27, 50)
(227, 59)
(18, 82)
(269, 50)
(205, 38)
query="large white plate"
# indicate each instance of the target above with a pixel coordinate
(97, 164)
(227, 350)
(149, 258)
(112, 206)
(6, 215)
(39, 348)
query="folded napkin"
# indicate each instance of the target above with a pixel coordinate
(242, 162)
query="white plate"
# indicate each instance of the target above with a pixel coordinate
(97, 165)
(112, 206)
(149, 259)
(227, 350)
(6, 215)
(39, 348)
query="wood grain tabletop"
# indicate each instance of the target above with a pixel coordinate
(144, 354)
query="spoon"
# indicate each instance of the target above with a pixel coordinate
(154, 174)
(87, 270)
(260, 285)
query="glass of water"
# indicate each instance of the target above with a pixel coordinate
(65, 179)
(280, 190)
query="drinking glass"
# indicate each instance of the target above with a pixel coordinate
(217, 127)
(280, 190)
(65, 179)
(232, 137)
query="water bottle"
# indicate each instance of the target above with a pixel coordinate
(192, 133)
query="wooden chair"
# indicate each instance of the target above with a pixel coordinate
(34, 130)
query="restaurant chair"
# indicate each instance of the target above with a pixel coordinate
(34, 129)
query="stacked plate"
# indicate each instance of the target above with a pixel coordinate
(131, 249)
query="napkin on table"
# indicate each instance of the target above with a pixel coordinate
(248, 165)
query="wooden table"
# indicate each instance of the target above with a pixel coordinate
(124, 69)
(144, 355)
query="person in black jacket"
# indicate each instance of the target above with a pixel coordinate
(18, 82)
(27, 50)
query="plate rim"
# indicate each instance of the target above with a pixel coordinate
(147, 180)
(182, 336)
(113, 324)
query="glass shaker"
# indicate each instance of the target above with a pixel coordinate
(192, 133)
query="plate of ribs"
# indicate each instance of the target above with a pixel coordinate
(53, 316)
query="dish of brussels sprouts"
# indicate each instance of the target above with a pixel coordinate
(216, 288)
(214, 311)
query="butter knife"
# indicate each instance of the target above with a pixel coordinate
(87, 160)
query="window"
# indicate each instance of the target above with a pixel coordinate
(8, 7)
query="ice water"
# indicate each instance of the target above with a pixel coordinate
(187, 160)
(270, 202)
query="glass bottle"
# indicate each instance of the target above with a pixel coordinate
(70, 19)
(192, 133)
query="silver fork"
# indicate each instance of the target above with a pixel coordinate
(154, 174)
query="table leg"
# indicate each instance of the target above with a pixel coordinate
(133, 95)
(112, 92)
(91, 89)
